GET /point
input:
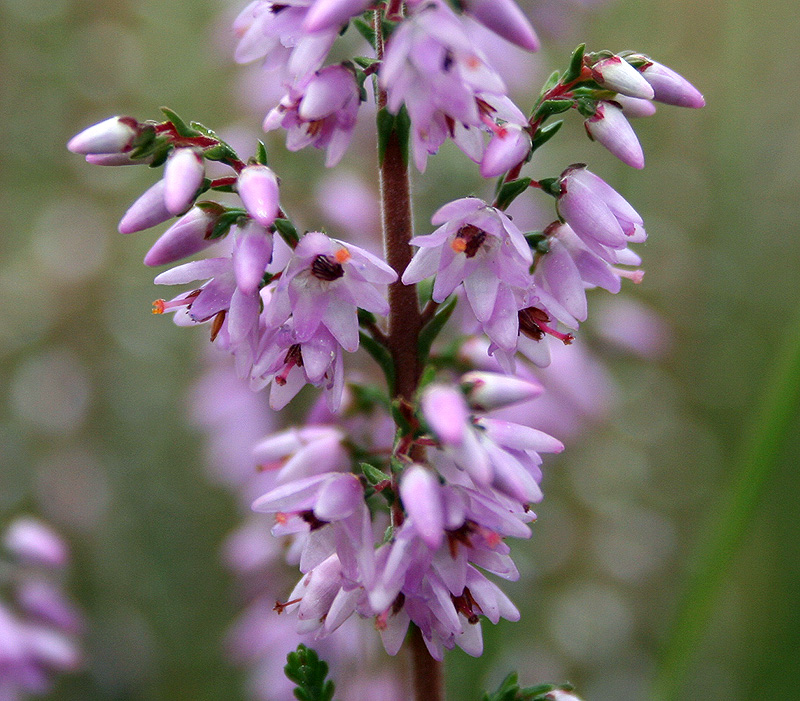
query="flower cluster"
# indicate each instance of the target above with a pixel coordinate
(398, 501)
(39, 626)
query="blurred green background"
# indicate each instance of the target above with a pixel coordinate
(93, 400)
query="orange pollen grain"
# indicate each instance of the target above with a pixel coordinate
(342, 255)
(158, 306)
(281, 518)
(459, 245)
(473, 62)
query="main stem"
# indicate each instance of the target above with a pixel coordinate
(405, 323)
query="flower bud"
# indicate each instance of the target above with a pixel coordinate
(421, 497)
(506, 149)
(505, 18)
(609, 126)
(189, 235)
(446, 412)
(258, 188)
(113, 135)
(489, 390)
(252, 252)
(332, 14)
(183, 176)
(33, 542)
(149, 210)
(635, 106)
(672, 88)
(617, 74)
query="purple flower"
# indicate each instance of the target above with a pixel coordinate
(276, 33)
(32, 542)
(505, 18)
(257, 185)
(617, 74)
(609, 126)
(189, 235)
(670, 87)
(288, 365)
(111, 136)
(479, 246)
(297, 453)
(597, 213)
(332, 14)
(489, 390)
(432, 67)
(183, 176)
(508, 147)
(324, 284)
(319, 110)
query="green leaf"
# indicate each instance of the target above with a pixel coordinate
(544, 134)
(551, 186)
(575, 65)
(380, 354)
(261, 153)
(587, 106)
(181, 127)
(551, 82)
(385, 121)
(225, 221)
(538, 242)
(365, 29)
(221, 152)
(287, 231)
(308, 672)
(510, 191)
(373, 474)
(431, 330)
(365, 61)
(550, 107)
(402, 125)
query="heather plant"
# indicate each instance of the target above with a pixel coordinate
(397, 498)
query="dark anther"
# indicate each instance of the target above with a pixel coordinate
(326, 268)
(472, 237)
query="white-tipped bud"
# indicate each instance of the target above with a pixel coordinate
(149, 210)
(491, 390)
(610, 127)
(617, 74)
(183, 176)
(113, 135)
(258, 187)
(34, 543)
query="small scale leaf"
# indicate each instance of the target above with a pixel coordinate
(373, 474)
(287, 231)
(402, 126)
(365, 29)
(550, 107)
(544, 134)
(575, 65)
(181, 127)
(261, 153)
(510, 191)
(385, 121)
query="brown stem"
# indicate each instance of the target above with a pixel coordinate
(428, 681)
(405, 323)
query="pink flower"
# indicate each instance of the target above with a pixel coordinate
(319, 110)
(325, 283)
(609, 126)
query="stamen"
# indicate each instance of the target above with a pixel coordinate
(216, 325)
(494, 126)
(161, 306)
(342, 255)
(533, 324)
(313, 522)
(325, 268)
(279, 607)
(468, 240)
(294, 356)
(635, 275)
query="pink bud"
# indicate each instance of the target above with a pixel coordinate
(505, 18)
(671, 87)
(147, 211)
(113, 135)
(183, 176)
(327, 92)
(186, 236)
(635, 106)
(252, 252)
(617, 74)
(339, 497)
(490, 390)
(505, 149)
(609, 126)
(421, 497)
(258, 188)
(33, 542)
(332, 14)
(446, 412)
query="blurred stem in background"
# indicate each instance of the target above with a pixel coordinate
(758, 458)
